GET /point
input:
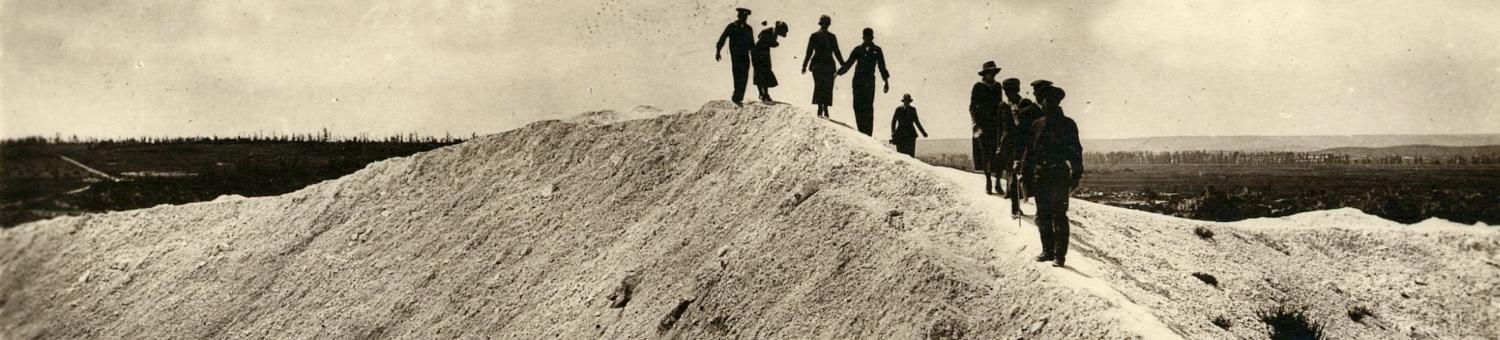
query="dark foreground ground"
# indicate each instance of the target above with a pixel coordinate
(1402, 193)
(37, 180)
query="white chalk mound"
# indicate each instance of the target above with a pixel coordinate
(755, 222)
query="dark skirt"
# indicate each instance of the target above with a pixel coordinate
(984, 150)
(823, 76)
(764, 76)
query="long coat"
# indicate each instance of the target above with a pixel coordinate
(761, 58)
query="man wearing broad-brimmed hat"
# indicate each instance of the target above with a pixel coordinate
(1054, 164)
(904, 127)
(741, 38)
(984, 112)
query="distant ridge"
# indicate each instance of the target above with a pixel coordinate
(1245, 143)
(1415, 151)
(1282, 143)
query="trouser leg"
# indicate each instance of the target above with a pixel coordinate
(1060, 228)
(864, 105)
(1044, 218)
(865, 118)
(1014, 191)
(741, 67)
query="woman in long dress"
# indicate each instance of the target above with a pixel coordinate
(760, 57)
(824, 57)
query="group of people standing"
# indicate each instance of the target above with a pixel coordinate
(1033, 146)
(1029, 145)
(824, 59)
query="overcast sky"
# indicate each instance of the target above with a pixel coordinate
(1132, 68)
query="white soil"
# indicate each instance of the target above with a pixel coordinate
(762, 222)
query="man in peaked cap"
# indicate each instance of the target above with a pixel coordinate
(741, 38)
(1023, 113)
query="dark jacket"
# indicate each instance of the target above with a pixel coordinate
(1055, 144)
(905, 123)
(1022, 115)
(984, 108)
(741, 38)
(823, 54)
(868, 57)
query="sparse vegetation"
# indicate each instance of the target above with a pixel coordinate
(1203, 233)
(1359, 313)
(946, 329)
(1288, 324)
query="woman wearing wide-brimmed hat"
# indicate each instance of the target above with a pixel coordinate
(984, 110)
(824, 58)
(765, 77)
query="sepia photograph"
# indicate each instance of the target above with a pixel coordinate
(749, 169)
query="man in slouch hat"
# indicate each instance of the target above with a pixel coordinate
(1054, 163)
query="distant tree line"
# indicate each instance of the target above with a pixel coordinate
(1404, 204)
(321, 137)
(1273, 158)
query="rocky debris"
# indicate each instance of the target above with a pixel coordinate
(1208, 279)
(621, 295)
(720, 326)
(1222, 322)
(803, 192)
(673, 316)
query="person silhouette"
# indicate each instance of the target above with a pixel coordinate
(824, 57)
(765, 77)
(984, 111)
(868, 57)
(904, 127)
(1023, 113)
(741, 40)
(1054, 163)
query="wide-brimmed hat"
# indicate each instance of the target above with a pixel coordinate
(906, 98)
(1041, 83)
(989, 67)
(743, 10)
